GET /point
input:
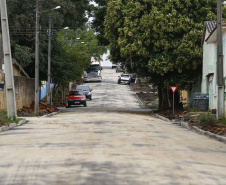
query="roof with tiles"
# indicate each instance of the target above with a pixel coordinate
(210, 25)
(213, 35)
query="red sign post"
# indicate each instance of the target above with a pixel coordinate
(173, 89)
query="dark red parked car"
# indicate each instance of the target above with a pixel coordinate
(76, 97)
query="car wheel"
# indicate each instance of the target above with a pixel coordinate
(90, 98)
(85, 105)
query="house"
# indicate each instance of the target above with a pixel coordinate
(209, 76)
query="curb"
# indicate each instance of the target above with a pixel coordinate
(21, 122)
(49, 115)
(141, 104)
(210, 134)
(162, 118)
(184, 124)
(138, 99)
(197, 130)
(12, 125)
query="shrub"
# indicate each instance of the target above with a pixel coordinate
(223, 121)
(4, 118)
(206, 117)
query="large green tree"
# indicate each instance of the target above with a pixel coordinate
(161, 39)
(99, 12)
(21, 13)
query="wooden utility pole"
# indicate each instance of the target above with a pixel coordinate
(220, 79)
(9, 80)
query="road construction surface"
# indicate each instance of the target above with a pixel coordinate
(98, 145)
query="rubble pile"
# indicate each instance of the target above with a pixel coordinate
(147, 96)
(140, 86)
(44, 109)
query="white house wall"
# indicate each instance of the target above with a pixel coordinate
(208, 63)
(209, 84)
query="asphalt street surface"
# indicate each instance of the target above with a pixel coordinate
(113, 141)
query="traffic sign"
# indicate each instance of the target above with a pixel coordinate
(173, 88)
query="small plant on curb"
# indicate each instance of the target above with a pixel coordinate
(4, 118)
(206, 118)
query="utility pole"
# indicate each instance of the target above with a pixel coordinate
(1, 51)
(49, 61)
(37, 60)
(9, 80)
(220, 79)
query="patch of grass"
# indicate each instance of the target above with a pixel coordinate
(191, 109)
(4, 118)
(206, 117)
(149, 102)
(145, 102)
(222, 121)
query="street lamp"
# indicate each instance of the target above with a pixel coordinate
(36, 111)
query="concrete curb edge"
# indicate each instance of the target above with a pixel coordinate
(21, 122)
(197, 130)
(12, 125)
(162, 118)
(49, 115)
(209, 134)
(141, 104)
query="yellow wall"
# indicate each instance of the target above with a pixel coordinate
(183, 97)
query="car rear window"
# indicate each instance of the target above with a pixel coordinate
(127, 76)
(71, 93)
(86, 88)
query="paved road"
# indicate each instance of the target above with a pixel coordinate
(110, 96)
(81, 147)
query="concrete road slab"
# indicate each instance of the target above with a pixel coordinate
(110, 142)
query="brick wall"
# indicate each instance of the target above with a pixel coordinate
(24, 89)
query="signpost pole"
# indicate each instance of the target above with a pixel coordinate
(173, 103)
(173, 89)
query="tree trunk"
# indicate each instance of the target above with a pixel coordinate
(63, 93)
(163, 98)
(160, 97)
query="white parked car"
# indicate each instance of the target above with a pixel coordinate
(124, 79)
